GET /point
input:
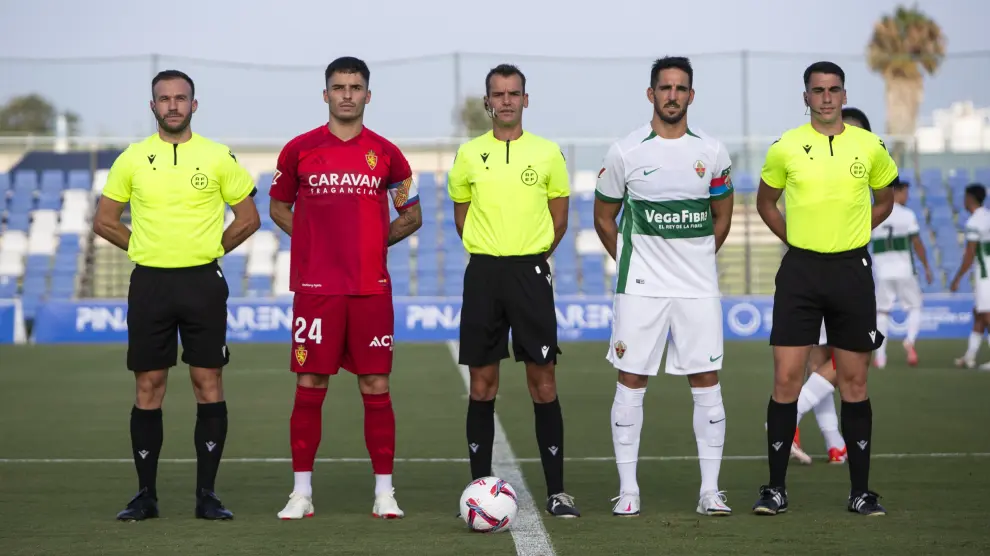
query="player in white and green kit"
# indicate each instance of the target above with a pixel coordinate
(674, 188)
(893, 265)
(978, 250)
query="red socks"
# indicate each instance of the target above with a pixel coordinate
(379, 432)
(306, 426)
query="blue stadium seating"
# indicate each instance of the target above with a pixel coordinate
(432, 264)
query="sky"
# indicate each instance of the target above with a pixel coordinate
(587, 62)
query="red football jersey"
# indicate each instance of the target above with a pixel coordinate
(340, 220)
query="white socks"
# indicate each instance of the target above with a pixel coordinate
(709, 431)
(627, 424)
(883, 324)
(383, 484)
(304, 483)
(974, 345)
(816, 394)
(913, 325)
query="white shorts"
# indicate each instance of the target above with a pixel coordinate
(904, 289)
(981, 295)
(640, 327)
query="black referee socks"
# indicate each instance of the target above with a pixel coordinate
(480, 436)
(146, 443)
(550, 438)
(210, 436)
(857, 429)
(781, 424)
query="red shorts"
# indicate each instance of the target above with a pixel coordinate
(330, 332)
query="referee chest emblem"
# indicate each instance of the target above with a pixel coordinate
(199, 181)
(372, 159)
(620, 349)
(699, 168)
(301, 354)
(529, 176)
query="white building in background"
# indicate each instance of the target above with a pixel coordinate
(961, 128)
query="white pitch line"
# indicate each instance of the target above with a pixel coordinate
(528, 533)
(587, 459)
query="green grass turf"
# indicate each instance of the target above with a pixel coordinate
(74, 402)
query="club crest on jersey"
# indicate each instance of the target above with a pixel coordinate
(301, 354)
(620, 349)
(699, 168)
(372, 159)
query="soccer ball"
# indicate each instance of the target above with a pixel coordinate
(488, 505)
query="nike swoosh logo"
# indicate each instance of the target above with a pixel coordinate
(719, 421)
(714, 359)
(618, 425)
(648, 172)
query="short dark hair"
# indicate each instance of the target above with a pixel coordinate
(347, 64)
(671, 62)
(173, 74)
(858, 115)
(900, 184)
(977, 192)
(828, 68)
(505, 70)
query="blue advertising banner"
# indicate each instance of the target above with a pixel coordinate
(436, 319)
(12, 322)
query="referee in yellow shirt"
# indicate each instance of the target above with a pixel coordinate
(826, 171)
(177, 184)
(510, 190)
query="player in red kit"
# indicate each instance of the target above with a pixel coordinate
(330, 193)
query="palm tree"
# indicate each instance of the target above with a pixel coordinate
(904, 47)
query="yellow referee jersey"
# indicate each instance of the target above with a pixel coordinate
(827, 181)
(177, 194)
(508, 184)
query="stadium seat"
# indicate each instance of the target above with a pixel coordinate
(11, 264)
(584, 207)
(14, 241)
(280, 286)
(593, 275)
(259, 286)
(18, 222)
(25, 180)
(99, 180)
(565, 283)
(30, 304)
(49, 201)
(584, 181)
(79, 180)
(63, 288)
(8, 285)
(21, 203)
(453, 283)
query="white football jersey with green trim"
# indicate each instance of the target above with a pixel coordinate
(666, 245)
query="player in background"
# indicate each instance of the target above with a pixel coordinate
(977, 241)
(816, 394)
(675, 184)
(893, 264)
(330, 193)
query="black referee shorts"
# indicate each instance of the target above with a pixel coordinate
(165, 303)
(836, 287)
(503, 293)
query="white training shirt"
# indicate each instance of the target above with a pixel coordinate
(891, 242)
(666, 244)
(978, 230)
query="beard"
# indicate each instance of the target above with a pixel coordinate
(670, 119)
(173, 129)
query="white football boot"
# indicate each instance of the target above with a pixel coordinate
(386, 507)
(299, 506)
(713, 503)
(626, 505)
